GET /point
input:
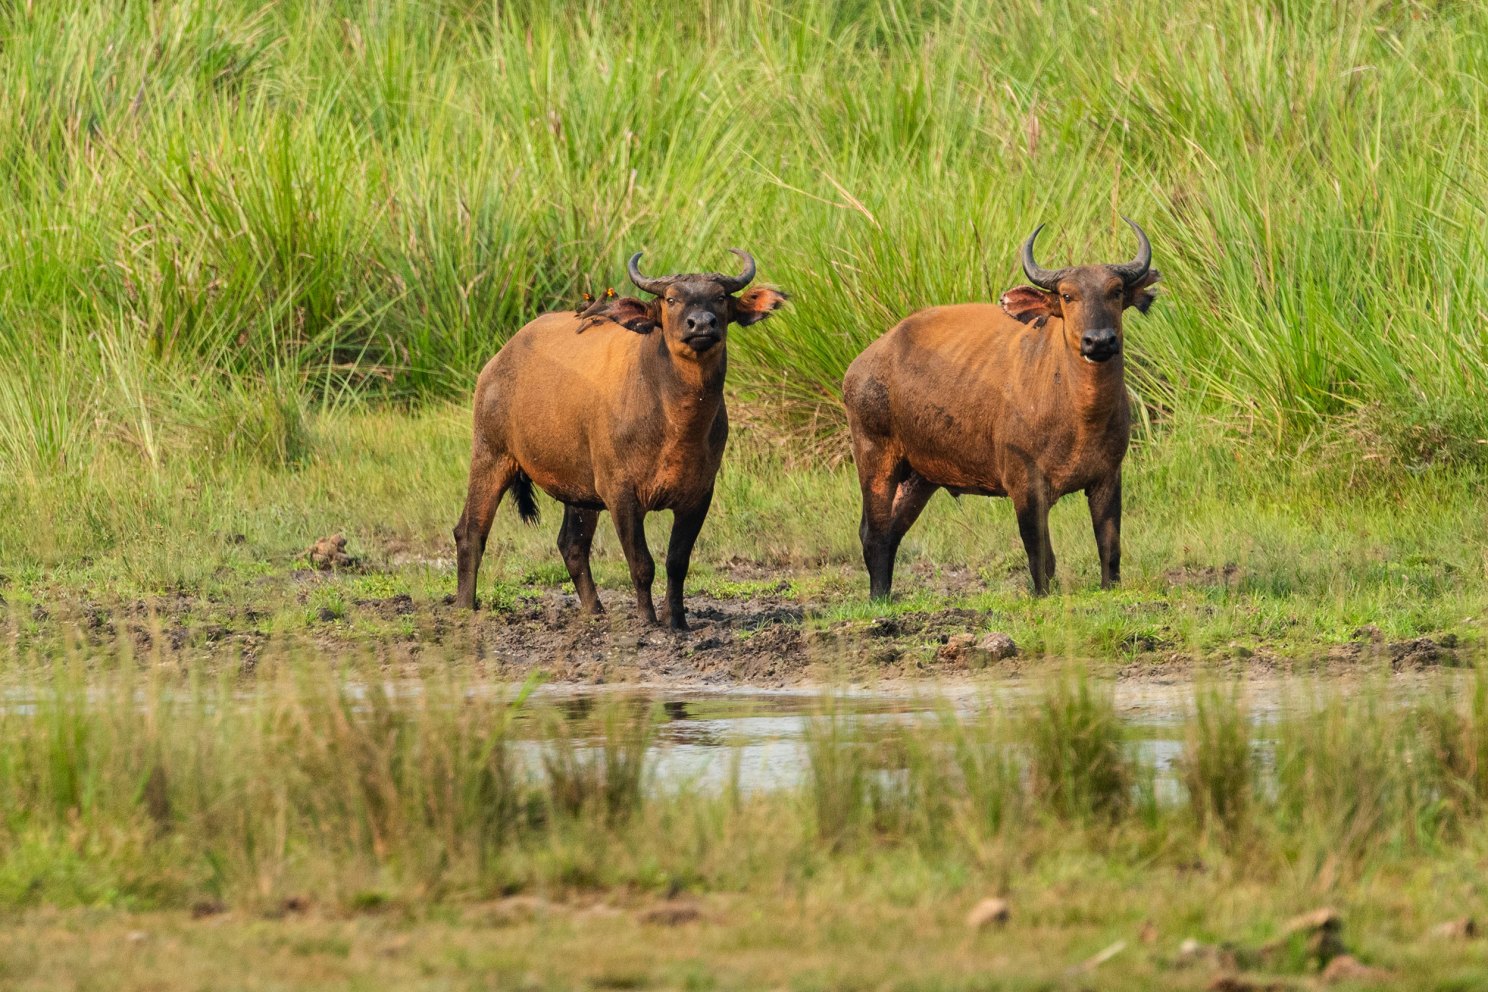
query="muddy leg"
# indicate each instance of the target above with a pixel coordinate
(575, 539)
(1105, 514)
(685, 529)
(914, 492)
(630, 525)
(1033, 527)
(873, 532)
(490, 475)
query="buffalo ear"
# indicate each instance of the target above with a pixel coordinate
(757, 304)
(627, 311)
(1027, 304)
(1137, 295)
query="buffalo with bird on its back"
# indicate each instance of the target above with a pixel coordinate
(616, 407)
(1024, 399)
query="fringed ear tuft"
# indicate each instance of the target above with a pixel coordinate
(627, 311)
(1137, 294)
(1029, 305)
(757, 304)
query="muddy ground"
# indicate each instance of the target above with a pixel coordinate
(773, 635)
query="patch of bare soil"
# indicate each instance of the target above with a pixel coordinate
(760, 640)
(769, 638)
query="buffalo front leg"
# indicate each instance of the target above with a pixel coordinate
(575, 541)
(630, 525)
(1033, 527)
(686, 525)
(490, 476)
(1105, 515)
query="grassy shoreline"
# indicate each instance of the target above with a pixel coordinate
(1224, 559)
(328, 820)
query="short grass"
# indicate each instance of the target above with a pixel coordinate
(1219, 561)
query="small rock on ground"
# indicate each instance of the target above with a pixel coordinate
(672, 914)
(967, 651)
(330, 552)
(1465, 928)
(1347, 968)
(988, 913)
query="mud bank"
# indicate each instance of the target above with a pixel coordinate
(753, 625)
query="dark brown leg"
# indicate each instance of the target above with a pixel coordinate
(1033, 527)
(490, 475)
(875, 528)
(630, 525)
(575, 540)
(685, 529)
(1105, 515)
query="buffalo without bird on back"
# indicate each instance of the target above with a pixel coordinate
(1027, 400)
(617, 407)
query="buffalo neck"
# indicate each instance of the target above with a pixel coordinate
(1097, 390)
(691, 391)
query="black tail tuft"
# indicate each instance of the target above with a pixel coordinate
(526, 505)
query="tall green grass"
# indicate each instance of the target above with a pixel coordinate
(218, 216)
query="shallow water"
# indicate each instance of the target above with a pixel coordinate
(757, 740)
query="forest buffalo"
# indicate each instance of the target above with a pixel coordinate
(617, 407)
(1026, 400)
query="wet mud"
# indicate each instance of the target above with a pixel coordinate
(776, 636)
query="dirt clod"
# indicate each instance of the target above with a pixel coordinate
(1322, 929)
(997, 646)
(969, 651)
(330, 552)
(1347, 968)
(990, 912)
(1239, 983)
(1463, 928)
(672, 913)
(203, 908)
(1422, 652)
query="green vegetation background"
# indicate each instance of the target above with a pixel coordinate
(252, 255)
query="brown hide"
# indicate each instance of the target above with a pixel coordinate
(584, 414)
(997, 401)
(618, 407)
(978, 402)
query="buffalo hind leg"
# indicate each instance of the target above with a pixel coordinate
(1033, 527)
(909, 501)
(490, 476)
(686, 525)
(893, 497)
(879, 549)
(575, 540)
(1105, 515)
(630, 525)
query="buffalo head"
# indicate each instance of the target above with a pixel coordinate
(693, 311)
(1089, 298)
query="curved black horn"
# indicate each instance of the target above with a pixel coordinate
(652, 286)
(1042, 278)
(1137, 267)
(732, 284)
